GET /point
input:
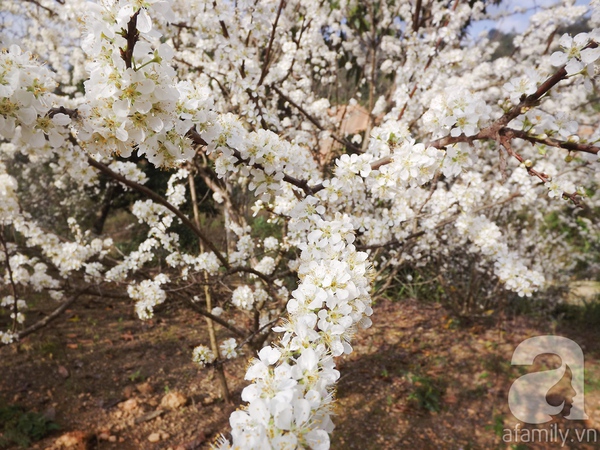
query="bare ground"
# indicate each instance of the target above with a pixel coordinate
(417, 379)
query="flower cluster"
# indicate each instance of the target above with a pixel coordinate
(243, 297)
(271, 243)
(228, 349)
(487, 237)
(206, 261)
(244, 245)
(537, 122)
(267, 157)
(203, 355)
(130, 171)
(25, 97)
(8, 337)
(457, 111)
(411, 165)
(576, 54)
(522, 85)
(458, 158)
(247, 97)
(148, 294)
(132, 100)
(289, 400)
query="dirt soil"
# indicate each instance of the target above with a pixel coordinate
(417, 379)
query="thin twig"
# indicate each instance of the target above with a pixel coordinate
(315, 122)
(217, 319)
(158, 199)
(267, 62)
(10, 277)
(57, 312)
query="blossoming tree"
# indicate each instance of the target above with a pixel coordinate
(464, 157)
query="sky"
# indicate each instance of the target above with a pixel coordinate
(515, 22)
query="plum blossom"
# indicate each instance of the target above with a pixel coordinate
(458, 157)
(204, 103)
(290, 396)
(227, 349)
(203, 356)
(243, 297)
(522, 85)
(574, 54)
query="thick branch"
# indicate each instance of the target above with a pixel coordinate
(132, 35)
(415, 24)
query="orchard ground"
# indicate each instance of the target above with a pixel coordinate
(419, 378)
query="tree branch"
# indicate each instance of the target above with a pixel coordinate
(266, 64)
(57, 312)
(302, 184)
(315, 122)
(443, 223)
(10, 277)
(572, 146)
(158, 199)
(39, 5)
(217, 319)
(132, 35)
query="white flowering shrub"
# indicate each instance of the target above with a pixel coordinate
(239, 112)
